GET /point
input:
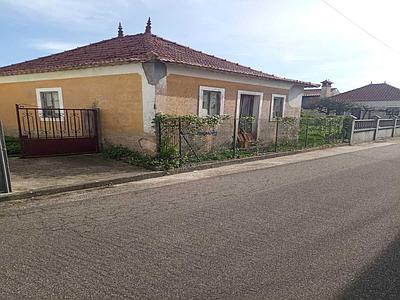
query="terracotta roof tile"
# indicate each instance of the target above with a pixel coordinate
(312, 92)
(370, 92)
(133, 48)
(316, 92)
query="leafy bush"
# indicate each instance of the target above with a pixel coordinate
(116, 152)
(189, 122)
(13, 145)
(120, 152)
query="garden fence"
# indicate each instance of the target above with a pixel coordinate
(368, 130)
(182, 139)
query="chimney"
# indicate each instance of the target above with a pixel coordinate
(120, 30)
(326, 89)
(148, 27)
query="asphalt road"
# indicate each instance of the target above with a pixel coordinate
(320, 229)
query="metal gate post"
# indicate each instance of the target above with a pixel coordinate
(276, 134)
(234, 142)
(306, 137)
(5, 181)
(180, 141)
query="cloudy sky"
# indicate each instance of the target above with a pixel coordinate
(301, 39)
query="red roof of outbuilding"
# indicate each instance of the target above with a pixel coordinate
(370, 92)
(133, 48)
(312, 92)
(316, 92)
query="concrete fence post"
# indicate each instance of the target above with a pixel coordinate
(394, 127)
(377, 127)
(5, 179)
(353, 125)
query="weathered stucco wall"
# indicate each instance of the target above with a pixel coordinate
(294, 101)
(119, 98)
(179, 95)
(124, 96)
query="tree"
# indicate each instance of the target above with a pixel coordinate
(329, 106)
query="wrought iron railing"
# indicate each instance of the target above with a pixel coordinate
(386, 123)
(40, 123)
(364, 124)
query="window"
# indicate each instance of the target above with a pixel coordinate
(50, 100)
(211, 101)
(277, 106)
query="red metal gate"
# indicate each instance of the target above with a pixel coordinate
(49, 132)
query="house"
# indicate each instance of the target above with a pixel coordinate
(374, 99)
(312, 96)
(130, 78)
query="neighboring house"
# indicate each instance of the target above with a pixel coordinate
(379, 99)
(312, 96)
(131, 78)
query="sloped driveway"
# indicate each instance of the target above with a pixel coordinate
(38, 173)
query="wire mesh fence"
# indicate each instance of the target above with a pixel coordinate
(187, 140)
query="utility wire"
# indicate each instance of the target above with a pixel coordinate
(361, 28)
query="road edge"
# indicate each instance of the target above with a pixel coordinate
(153, 174)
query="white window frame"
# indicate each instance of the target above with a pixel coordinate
(211, 89)
(237, 113)
(39, 101)
(271, 114)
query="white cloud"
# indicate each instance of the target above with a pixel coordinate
(72, 12)
(53, 46)
(293, 38)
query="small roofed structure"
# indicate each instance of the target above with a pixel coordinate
(374, 99)
(312, 96)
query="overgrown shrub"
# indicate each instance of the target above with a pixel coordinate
(120, 152)
(13, 145)
(194, 135)
(132, 157)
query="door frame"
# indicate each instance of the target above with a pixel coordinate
(237, 112)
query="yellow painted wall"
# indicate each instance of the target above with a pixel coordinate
(181, 95)
(119, 98)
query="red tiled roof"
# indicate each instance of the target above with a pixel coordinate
(312, 92)
(370, 92)
(133, 48)
(316, 92)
